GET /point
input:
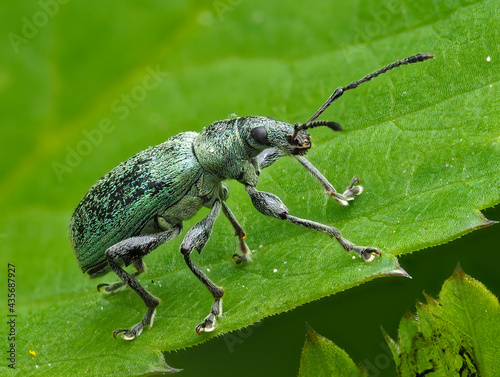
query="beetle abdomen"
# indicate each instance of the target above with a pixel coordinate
(122, 202)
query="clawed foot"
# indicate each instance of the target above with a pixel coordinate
(349, 194)
(368, 253)
(244, 253)
(208, 323)
(131, 334)
(108, 288)
(240, 259)
(136, 330)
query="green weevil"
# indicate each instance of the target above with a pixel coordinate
(142, 203)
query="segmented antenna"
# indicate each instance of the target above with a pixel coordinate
(317, 123)
(339, 91)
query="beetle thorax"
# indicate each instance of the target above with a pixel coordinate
(222, 150)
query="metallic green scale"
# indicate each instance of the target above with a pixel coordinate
(125, 202)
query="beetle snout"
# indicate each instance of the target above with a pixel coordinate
(301, 143)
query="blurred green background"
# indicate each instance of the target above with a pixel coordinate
(69, 68)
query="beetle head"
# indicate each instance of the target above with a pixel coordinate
(267, 133)
(301, 140)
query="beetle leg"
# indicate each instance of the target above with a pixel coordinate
(108, 288)
(140, 268)
(196, 239)
(244, 253)
(350, 192)
(270, 205)
(131, 250)
(269, 156)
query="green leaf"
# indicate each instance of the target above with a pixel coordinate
(454, 335)
(80, 96)
(458, 333)
(321, 357)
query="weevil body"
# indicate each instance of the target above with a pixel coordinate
(142, 203)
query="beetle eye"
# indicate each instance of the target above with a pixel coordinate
(259, 134)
